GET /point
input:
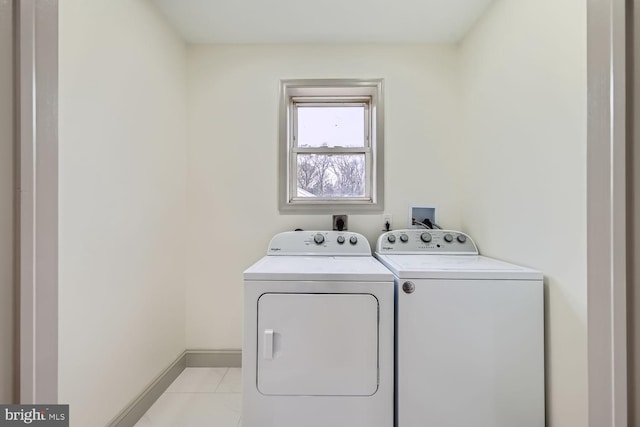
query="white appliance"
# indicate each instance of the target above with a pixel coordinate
(318, 334)
(469, 333)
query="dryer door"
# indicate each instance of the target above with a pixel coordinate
(317, 344)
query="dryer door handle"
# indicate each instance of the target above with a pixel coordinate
(267, 349)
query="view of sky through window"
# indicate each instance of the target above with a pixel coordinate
(331, 126)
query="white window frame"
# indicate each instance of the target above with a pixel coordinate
(331, 92)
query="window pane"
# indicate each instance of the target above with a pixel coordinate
(321, 175)
(330, 126)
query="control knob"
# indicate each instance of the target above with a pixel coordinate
(318, 238)
(448, 238)
(353, 240)
(425, 237)
(391, 238)
(404, 238)
(462, 238)
(340, 239)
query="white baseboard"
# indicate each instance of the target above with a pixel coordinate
(214, 358)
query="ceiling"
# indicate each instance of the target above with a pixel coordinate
(328, 21)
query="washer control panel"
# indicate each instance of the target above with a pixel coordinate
(324, 243)
(416, 241)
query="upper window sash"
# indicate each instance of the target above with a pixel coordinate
(302, 102)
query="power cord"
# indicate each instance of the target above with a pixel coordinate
(426, 223)
(415, 221)
(431, 224)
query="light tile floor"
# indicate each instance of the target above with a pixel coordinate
(198, 397)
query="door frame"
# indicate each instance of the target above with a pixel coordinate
(633, 210)
(606, 213)
(606, 206)
(36, 23)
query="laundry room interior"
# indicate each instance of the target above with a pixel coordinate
(169, 171)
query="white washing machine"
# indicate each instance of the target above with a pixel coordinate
(318, 334)
(469, 333)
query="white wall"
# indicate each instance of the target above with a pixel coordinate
(7, 312)
(233, 122)
(122, 203)
(524, 182)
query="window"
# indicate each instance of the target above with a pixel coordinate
(331, 145)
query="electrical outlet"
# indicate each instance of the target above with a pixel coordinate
(387, 218)
(340, 222)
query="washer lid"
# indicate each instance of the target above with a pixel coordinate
(455, 267)
(325, 268)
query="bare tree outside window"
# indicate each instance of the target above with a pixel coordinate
(324, 175)
(349, 171)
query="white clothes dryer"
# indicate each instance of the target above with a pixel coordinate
(318, 334)
(469, 333)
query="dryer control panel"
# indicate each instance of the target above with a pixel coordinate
(426, 241)
(322, 243)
